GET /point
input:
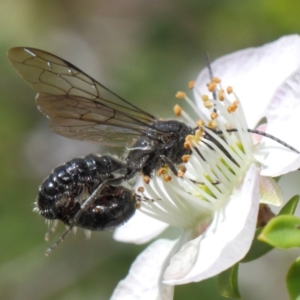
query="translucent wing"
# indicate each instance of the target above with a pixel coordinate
(78, 106)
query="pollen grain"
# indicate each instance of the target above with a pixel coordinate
(180, 95)
(191, 84)
(177, 110)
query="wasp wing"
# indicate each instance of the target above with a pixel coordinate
(78, 106)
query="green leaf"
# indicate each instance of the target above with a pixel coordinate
(293, 280)
(257, 248)
(282, 232)
(228, 283)
(290, 207)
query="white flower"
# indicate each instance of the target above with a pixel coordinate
(215, 204)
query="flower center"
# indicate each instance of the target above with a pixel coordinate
(217, 165)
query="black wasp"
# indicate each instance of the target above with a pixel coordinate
(87, 192)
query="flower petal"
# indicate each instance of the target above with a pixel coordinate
(225, 242)
(275, 159)
(283, 116)
(285, 102)
(279, 162)
(139, 229)
(144, 278)
(246, 69)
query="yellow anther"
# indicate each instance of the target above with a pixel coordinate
(191, 84)
(180, 95)
(189, 137)
(185, 158)
(232, 107)
(213, 115)
(221, 95)
(213, 124)
(208, 104)
(177, 110)
(180, 173)
(200, 123)
(212, 86)
(216, 80)
(161, 171)
(167, 178)
(188, 141)
(187, 145)
(229, 89)
(205, 98)
(140, 189)
(146, 179)
(183, 169)
(199, 134)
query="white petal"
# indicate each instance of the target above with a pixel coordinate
(183, 261)
(144, 278)
(283, 115)
(225, 242)
(285, 103)
(279, 162)
(139, 229)
(256, 138)
(255, 73)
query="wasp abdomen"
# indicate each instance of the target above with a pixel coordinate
(112, 208)
(68, 181)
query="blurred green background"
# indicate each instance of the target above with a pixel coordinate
(145, 51)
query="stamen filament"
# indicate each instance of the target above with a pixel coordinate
(187, 117)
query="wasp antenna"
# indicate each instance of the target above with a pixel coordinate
(210, 72)
(272, 137)
(207, 60)
(149, 200)
(203, 184)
